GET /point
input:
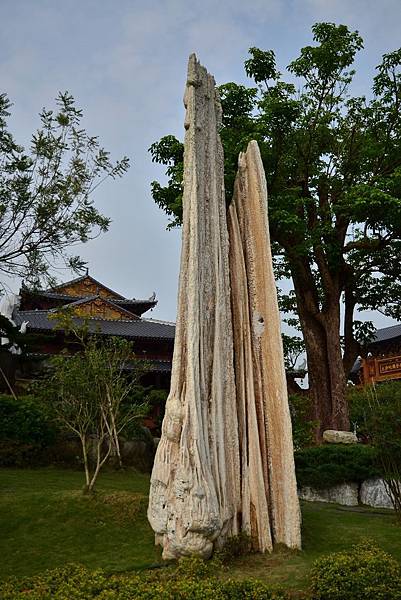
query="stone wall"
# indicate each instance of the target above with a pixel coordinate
(371, 492)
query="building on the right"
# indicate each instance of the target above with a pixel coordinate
(383, 358)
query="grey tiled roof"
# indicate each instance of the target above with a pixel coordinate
(58, 296)
(387, 333)
(141, 328)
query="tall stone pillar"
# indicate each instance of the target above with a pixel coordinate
(195, 484)
(269, 501)
(224, 463)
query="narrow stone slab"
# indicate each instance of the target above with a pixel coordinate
(270, 507)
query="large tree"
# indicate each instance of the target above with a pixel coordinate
(333, 170)
(46, 204)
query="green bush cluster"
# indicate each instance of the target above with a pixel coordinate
(25, 430)
(363, 573)
(303, 427)
(191, 579)
(325, 466)
(235, 546)
(376, 409)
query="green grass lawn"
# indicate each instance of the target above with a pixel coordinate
(45, 522)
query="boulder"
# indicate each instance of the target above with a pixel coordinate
(374, 493)
(331, 436)
(345, 494)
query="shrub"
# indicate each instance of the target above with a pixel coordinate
(303, 427)
(368, 403)
(363, 573)
(25, 430)
(325, 466)
(25, 420)
(235, 546)
(377, 410)
(186, 581)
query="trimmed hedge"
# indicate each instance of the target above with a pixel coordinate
(191, 579)
(326, 466)
(363, 573)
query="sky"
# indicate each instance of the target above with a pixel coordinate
(124, 61)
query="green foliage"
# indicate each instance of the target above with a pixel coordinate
(191, 579)
(235, 546)
(303, 427)
(325, 466)
(158, 398)
(363, 573)
(25, 420)
(90, 393)
(45, 192)
(25, 430)
(377, 412)
(170, 152)
(333, 170)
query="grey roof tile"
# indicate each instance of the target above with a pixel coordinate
(58, 296)
(387, 333)
(141, 328)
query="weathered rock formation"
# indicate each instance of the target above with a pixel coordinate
(224, 462)
(345, 494)
(269, 502)
(195, 486)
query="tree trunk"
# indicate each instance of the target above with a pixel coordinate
(99, 461)
(327, 380)
(351, 346)
(321, 331)
(85, 457)
(338, 379)
(113, 432)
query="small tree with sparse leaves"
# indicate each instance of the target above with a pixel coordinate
(46, 204)
(91, 393)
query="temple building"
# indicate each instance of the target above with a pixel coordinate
(383, 358)
(107, 314)
(383, 361)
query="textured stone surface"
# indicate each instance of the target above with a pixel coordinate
(331, 436)
(373, 493)
(346, 494)
(195, 485)
(224, 462)
(269, 502)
